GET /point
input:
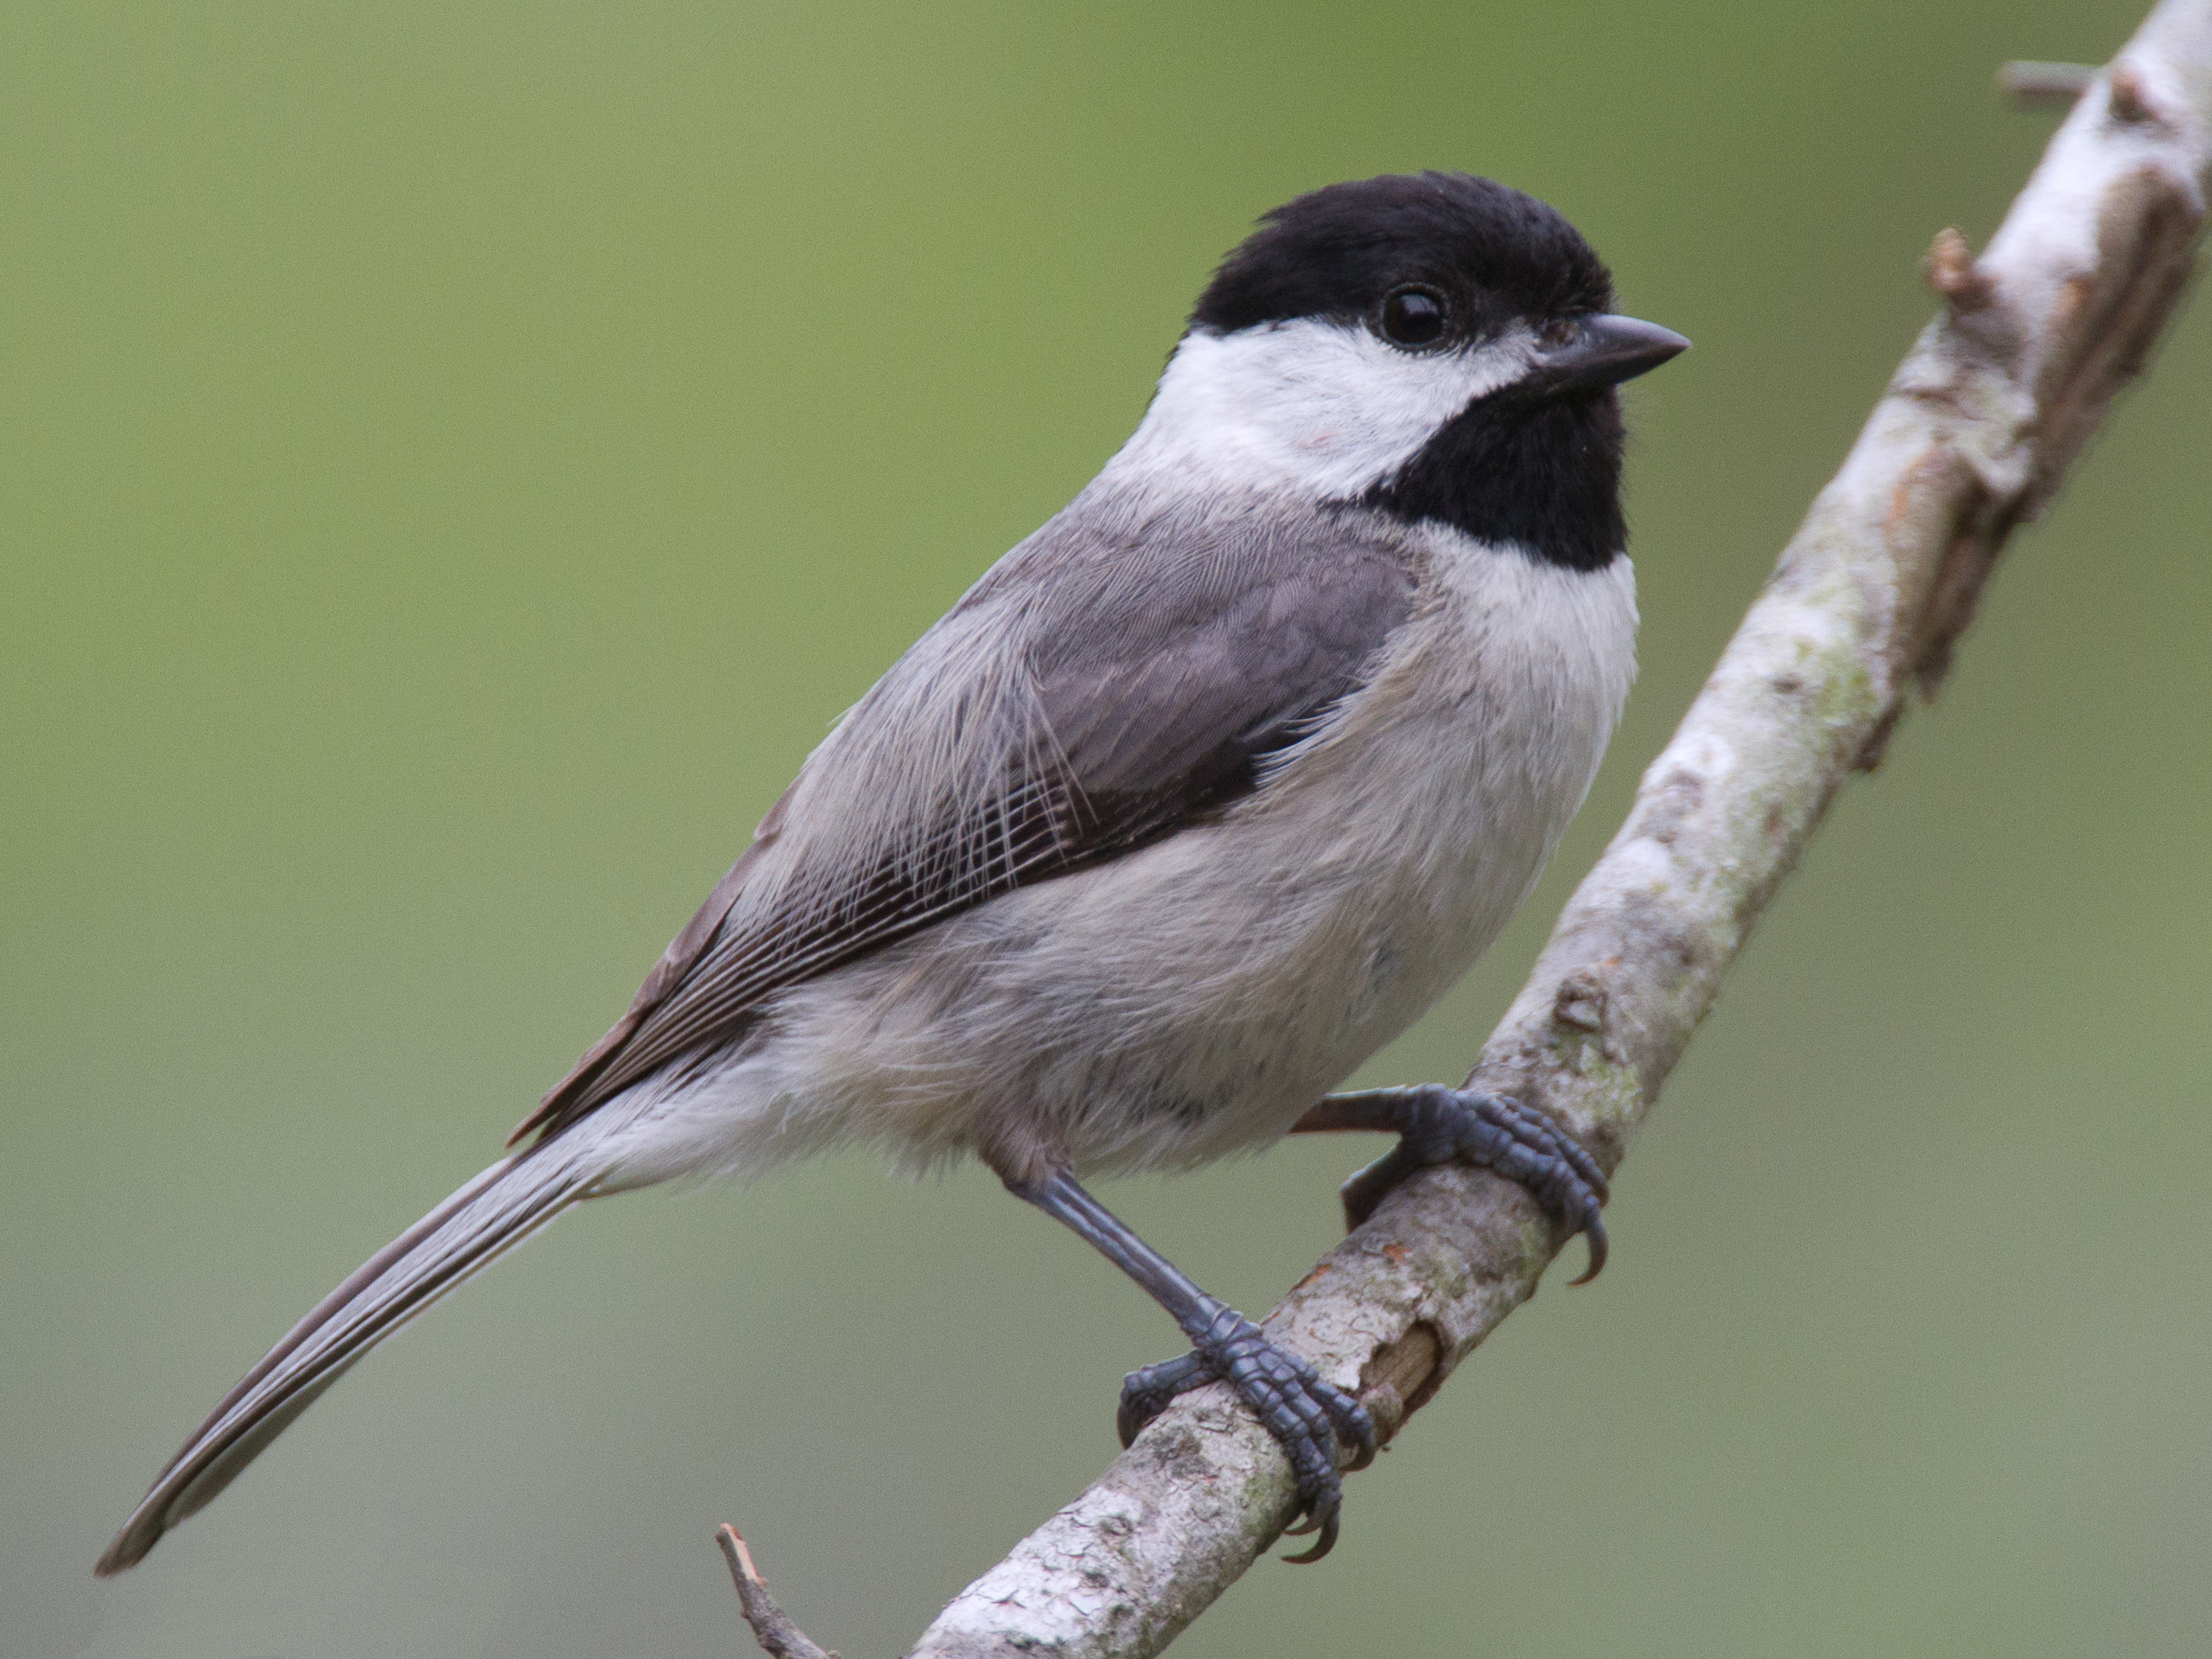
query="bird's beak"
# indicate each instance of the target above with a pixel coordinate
(1604, 351)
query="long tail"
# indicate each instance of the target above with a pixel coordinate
(486, 1218)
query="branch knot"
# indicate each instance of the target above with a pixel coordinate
(1952, 271)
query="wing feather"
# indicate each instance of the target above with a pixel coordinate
(1118, 677)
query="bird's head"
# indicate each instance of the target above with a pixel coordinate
(1436, 346)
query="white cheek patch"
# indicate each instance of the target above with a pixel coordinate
(1324, 409)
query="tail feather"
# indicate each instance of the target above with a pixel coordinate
(477, 1224)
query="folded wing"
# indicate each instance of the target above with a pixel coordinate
(1118, 677)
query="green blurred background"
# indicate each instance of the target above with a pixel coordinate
(457, 459)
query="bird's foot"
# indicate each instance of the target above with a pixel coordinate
(1439, 1125)
(1307, 1416)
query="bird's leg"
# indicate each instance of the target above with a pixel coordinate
(1306, 1416)
(1438, 1125)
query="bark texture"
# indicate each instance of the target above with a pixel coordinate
(1976, 430)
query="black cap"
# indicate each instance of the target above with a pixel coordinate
(1494, 253)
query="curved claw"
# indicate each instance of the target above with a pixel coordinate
(1594, 1234)
(1438, 1125)
(1321, 1546)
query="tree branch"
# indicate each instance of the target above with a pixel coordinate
(772, 1627)
(1972, 438)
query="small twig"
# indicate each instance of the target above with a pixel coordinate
(2028, 83)
(771, 1625)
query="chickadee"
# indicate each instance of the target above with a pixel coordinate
(1197, 799)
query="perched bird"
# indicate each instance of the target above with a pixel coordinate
(1197, 799)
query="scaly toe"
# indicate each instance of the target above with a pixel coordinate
(1147, 1391)
(1308, 1417)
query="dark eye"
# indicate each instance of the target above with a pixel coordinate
(1414, 315)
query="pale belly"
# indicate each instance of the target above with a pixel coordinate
(1193, 999)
